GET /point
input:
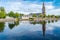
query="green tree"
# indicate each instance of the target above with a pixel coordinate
(52, 16)
(2, 12)
(56, 16)
(48, 16)
(2, 9)
(34, 15)
(17, 15)
(21, 14)
(11, 14)
(44, 15)
(40, 15)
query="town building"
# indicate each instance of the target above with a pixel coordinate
(26, 16)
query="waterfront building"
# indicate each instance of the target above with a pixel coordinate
(26, 16)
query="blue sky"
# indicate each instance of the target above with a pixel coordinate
(31, 6)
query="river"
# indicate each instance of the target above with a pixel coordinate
(30, 30)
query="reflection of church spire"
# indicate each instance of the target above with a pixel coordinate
(43, 8)
(44, 29)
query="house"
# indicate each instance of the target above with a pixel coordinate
(26, 16)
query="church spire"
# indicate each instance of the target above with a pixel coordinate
(43, 8)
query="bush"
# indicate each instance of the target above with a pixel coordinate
(31, 19)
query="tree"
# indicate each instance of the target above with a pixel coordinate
(17, 15)
(48, 16)
(40, 15)
(56, 16)
(34, 15)
(11, 14)
(2, 9)
(2, 12)
(21, 14)
(44, 15)
(52, 16)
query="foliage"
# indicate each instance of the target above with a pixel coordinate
(2, 25)
(17, 15)
(52, 16)
(31, 19)
(11, 14)
(21, 14)
(44, 15)
(2, 9)
(34, 15)
(56, 16)
(40, 15)
(49, 16)
(2, 12)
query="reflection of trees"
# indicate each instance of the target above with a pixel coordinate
(56, 20)
(48, 21)
(2, 25)
(12, 25)
(39, 22)
(16, 23)
(43, 25)
(52, 21)
(32, 22)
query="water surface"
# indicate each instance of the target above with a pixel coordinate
(30, 30)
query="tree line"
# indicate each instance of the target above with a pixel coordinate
(46, 16)
(3, 13)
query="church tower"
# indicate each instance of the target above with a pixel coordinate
(43, 8)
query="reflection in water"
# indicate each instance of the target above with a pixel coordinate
(25, 32)
(16, 23)
(56, 20)
(52, 21)
(48, 21)
(44, 28)
(12, 25)
(43, 23)
(2, 25)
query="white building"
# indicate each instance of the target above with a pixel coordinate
(26, 16)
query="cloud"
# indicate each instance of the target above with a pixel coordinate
(25, 7)
(54, 12)
(28, 7)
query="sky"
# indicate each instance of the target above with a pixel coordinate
(31, 6)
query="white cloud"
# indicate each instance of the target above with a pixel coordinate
(27, 7)
(54, 12)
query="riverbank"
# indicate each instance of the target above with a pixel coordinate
(35, 19)
(43, 19)
(7, 19)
